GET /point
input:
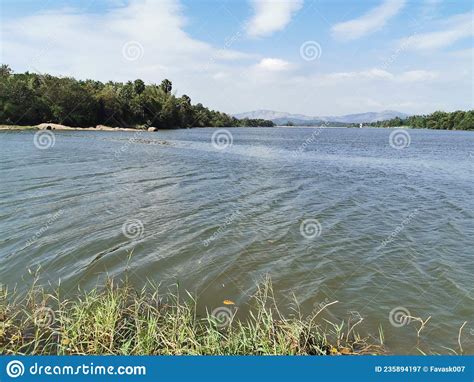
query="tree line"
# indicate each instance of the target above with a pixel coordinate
(31, 99)
(439, 120)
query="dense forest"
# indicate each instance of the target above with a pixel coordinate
(31, 99)
(440, 120)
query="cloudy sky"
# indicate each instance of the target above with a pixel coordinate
(315, 57)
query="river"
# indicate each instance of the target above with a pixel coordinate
(380, 220)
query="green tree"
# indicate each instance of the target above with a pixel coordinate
(139, 86)
(166, 86)
(5, 70)
(30, 98)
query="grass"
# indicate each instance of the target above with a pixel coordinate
(123, 320)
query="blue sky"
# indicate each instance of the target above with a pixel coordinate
(310, 57)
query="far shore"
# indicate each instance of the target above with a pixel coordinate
(59, 127)
(56, 126)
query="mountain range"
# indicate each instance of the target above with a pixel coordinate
(282, 118)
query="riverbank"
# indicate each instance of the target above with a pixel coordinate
(55, 126)
(122, 320)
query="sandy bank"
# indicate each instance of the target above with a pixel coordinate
(56, 126)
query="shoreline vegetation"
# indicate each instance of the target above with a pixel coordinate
(439, 120)
(121, 320)
(31, 99)
(36, 101)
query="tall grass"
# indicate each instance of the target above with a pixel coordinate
(123, 320)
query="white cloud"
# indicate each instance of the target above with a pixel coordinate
(92, 45)
(417, 76)
(71, 42)
(232, 55)
(273, 64)
(376, 74)
(366, 74)
(271, 16)
(370, 22)
(457, 27)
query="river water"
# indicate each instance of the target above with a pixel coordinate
(354, 215)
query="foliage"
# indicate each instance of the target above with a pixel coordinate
(121, 320)
(439, 120)
(30, 99)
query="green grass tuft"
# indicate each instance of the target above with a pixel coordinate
(123, 320)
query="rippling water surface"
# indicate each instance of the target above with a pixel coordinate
(393, 229)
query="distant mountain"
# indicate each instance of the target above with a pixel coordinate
(281, 118)
(272, 115)
(369, 117)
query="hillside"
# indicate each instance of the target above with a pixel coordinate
(282, 118)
